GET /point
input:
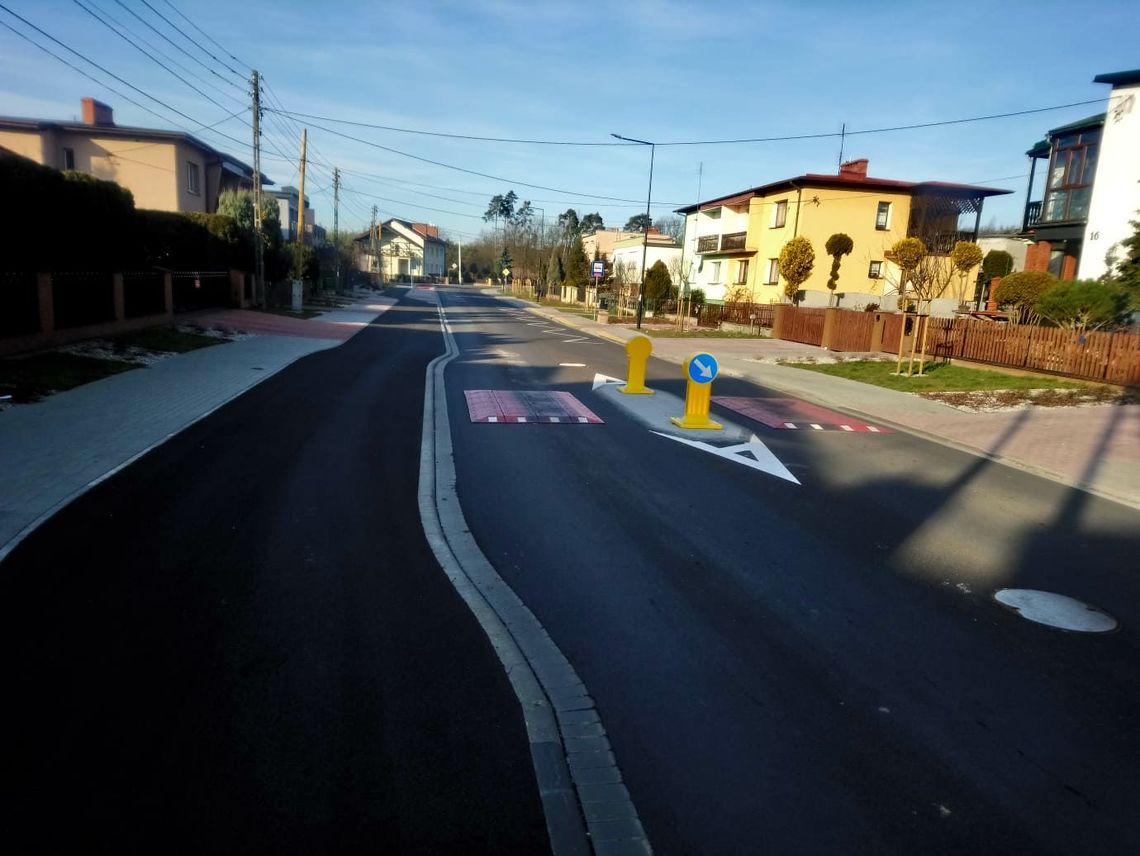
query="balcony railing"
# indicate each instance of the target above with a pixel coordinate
(941, 243)
(722, 243)
(1032, 213)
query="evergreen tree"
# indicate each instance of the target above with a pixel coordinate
(657, 282)
(577, 272)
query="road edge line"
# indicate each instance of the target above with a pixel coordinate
(548, 688)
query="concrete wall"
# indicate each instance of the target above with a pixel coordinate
(1116, 190)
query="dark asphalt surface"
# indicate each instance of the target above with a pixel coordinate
(817, 668)
(242, 642)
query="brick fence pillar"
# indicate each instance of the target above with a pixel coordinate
(47, 303)
(120, 299)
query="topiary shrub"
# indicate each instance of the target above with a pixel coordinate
(1021, 291)
(1082, 304)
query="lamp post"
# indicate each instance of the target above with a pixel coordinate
(648, 220)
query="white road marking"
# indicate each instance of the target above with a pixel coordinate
(873, 429)
(752, 454)
(789, 424)
(817, 427)
(602, 380)
(846, 427)
(579, 339)
(492, 418)
(520, 419)
(583, 419)
(553, 418)
(573, 365)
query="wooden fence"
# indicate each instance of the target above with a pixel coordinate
(804, 325)
(1113, 357)
(852, 331)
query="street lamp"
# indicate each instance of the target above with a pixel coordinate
(648, 220)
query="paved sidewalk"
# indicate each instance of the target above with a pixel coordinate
(50, 452)
(1095, 448)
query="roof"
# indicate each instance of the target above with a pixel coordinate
(846, 182)
(661, 242)
(411, 227)
(13, 123)
(1079, 125)
(1119, 78)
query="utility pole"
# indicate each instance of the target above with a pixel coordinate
(259, 248)
(460, 242)
(336, 222)
(301, 205)
(372, 239)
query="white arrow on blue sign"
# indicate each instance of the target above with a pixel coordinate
(703, 368)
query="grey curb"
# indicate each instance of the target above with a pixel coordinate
(551, 694)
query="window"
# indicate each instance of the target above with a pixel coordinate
(883, 216)
(742, 272)
(69, 158)
(1071, 170)
(780, 214)
(193, 179)
(773, 272)
(715, 272)
(875, 271)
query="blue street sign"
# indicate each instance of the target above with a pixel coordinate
(702, 368)
(599, 269)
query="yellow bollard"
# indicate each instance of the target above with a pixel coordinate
(700, 369)
(638, 350)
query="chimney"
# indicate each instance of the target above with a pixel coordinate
(854, 168)
(97, 113)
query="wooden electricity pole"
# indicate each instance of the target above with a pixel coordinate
(301, 206)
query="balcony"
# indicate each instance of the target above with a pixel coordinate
(733, 242)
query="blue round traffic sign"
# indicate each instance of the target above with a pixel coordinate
(702, 368)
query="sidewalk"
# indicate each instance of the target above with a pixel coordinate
(50, 452)
(1094, 448)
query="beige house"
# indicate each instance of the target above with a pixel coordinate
(164, 170)
(600, 244)
(401, 250)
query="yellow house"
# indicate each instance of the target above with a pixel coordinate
(732, 243)
(164, 170)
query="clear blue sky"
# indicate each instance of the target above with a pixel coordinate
(661, 70)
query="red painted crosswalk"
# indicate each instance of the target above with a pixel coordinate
(792, 414)
(527, 406)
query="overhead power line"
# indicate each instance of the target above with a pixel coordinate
(473, 137)
(191, 39)
(482, 174)
(848, 133)
(742, 140)
(207, 36)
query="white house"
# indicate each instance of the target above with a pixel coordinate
(628, 253)
(406, 250)
(1115, 199)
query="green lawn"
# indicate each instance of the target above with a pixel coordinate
(671, 333)
(31, 378)
(937, 377)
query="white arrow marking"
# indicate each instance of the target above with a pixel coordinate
(703, 368)
(602, 380)
(752, 454)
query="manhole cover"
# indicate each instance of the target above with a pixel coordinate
(1056, 610)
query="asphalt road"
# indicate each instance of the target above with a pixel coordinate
(812, 668)
(242, 642)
